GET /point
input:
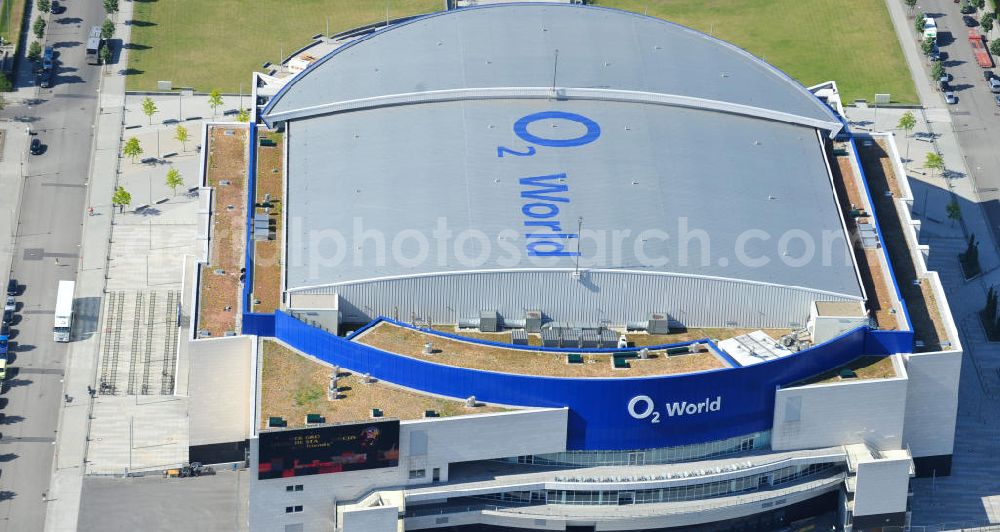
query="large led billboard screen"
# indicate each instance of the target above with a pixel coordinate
(328, 449)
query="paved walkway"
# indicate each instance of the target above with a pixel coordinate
(971, 495)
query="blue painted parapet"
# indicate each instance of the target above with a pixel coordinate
(606, 413)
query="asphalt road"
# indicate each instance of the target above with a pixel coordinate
(46, 251)
(976, 116)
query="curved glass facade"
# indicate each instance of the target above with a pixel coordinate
(692, 492)
(662, 455)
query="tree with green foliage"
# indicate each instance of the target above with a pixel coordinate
(954, 212)
(105, 55)
(907, 122)
(3, 102)
(181, 135)
(111, 6)
(986, 21)
(243, 115)
(934, 161)
(174, 179)
(928, 45)
(937, 70)
(920, 23)
(980, 4)
(215, 101)
(910, 4)
(38, 28)
(121, 198)
(5, 84)
(43, 6)
(35, 51)
(995, 47)
(132, 148)
(149, 108)
(107, 29)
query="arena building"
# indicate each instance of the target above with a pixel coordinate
(573, 268)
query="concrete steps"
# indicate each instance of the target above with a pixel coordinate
(139, 345)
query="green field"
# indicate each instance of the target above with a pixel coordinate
(11, 15)
(215, 44)
(849, 41)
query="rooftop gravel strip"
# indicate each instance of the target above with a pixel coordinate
(409, 342)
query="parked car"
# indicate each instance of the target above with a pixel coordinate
(12, 287)
(950, 98)
(994, 85)
(970, 22)
(988, 75)
(8, 316)
(996, 98)
(10, 304)
(36, 147)
(45, 79)
(56, 8)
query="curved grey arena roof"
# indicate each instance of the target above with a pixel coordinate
(676, 135)
(502, 48)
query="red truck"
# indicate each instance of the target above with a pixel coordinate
(979, 49)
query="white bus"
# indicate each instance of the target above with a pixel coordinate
(64, 311)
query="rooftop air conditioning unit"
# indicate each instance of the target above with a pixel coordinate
(533, 321)
(489, 321)
(658, 323)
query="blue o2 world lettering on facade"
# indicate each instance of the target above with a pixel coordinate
(543, 194)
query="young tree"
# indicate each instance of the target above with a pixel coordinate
(39, 27)
(907, 122)
(934, 161)
(937, 70)
(111, 6)
(920, 23)
(181, 135)
(243, 115)
(132, 148)
(149, 108)
(928, 45)
(174, 179)
(954, 212)
(5, 83)
(43, 6)
(986, 22)
(121, 198)
(995, 47)
(910, 4)
(105, 55)
(215, 101)
(3, 102)
(34, 51)
(107, 29)
(980, 3)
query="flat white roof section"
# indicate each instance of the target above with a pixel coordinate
(753, 348)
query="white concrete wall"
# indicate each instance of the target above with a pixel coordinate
(221, 388)
(932, 402)
(882, 487)
(451, 439)
(375, 519)
(841, 413)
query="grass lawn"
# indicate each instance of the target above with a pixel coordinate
(849, 41)
(11, 17)
(217, 44)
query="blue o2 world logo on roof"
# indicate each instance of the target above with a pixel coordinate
(544, 234)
